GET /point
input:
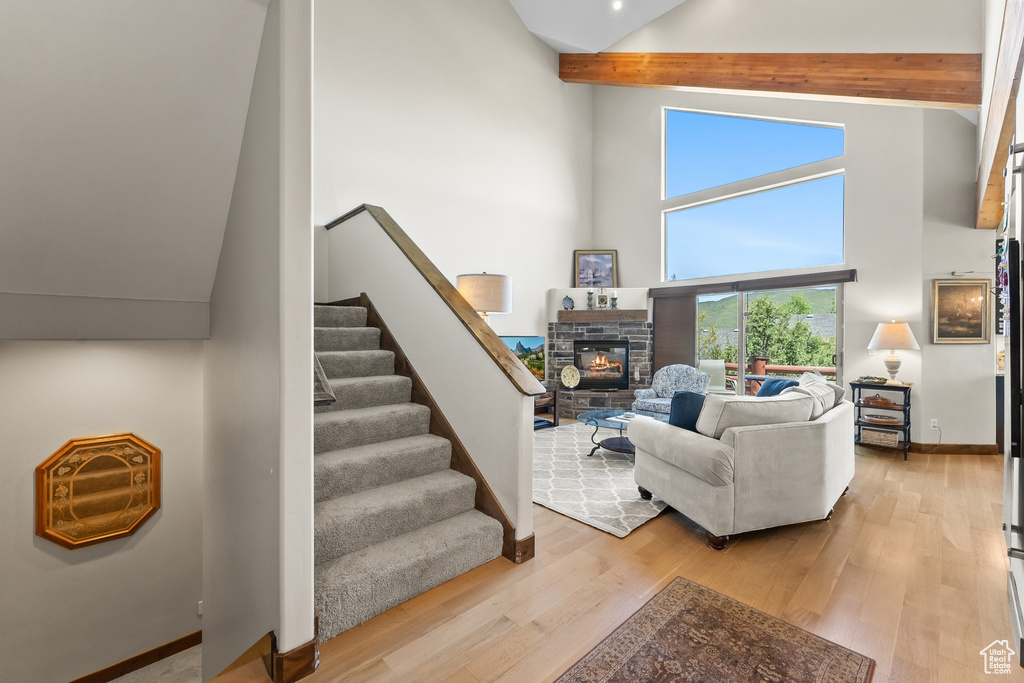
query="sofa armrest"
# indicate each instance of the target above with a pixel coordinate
(799, 467)
(709, 459)
(645, 393)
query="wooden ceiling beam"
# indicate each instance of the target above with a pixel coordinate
(1002, 119)
(940, 80)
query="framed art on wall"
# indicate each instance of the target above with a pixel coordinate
(530, 351)
(960, 311)
(595, 268)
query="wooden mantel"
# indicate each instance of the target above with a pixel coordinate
(603, 315)
(936, 80)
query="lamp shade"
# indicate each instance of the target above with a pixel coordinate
(893, 336)
(486, 293)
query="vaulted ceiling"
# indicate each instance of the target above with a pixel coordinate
(587, 25)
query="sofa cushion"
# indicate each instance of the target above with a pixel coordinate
(826, 395)
(685, 410)
(774, 386)
(653, 405)
(721, 412)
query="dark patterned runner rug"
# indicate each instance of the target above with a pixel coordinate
(691, 633)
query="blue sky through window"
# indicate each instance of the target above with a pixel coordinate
(708, 150)
(793, 226)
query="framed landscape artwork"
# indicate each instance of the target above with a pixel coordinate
(595, 268)
(961, 311)
(529, 350)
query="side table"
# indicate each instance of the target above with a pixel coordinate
(889, 428)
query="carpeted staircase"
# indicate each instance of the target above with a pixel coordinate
(391, 518)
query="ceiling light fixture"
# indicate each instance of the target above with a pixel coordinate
(617, 5)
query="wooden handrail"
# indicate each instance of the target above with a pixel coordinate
(502, 356)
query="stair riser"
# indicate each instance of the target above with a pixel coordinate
(364, 522)
(335, 435)
(350, 471)
(339, 316)
(346, 339)
(357, 587)
(375, 391)
(358, 364)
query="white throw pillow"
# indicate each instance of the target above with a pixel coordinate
(722, 411)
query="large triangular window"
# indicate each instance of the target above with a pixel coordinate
(704, 150)
(746, 195)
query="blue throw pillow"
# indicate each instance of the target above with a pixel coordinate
(685, 409)
(774, 385)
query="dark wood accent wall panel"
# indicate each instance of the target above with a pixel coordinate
(675, 331)
(944, 80)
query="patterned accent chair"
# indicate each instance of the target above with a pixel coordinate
(667, 381)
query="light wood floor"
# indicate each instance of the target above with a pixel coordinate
(911, 571)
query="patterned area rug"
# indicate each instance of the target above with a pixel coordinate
(691, 633)
(599, 490)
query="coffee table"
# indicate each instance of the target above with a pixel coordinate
(606, 418)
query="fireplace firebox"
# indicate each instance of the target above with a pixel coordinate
(602, 364)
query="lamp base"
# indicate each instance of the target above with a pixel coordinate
(892, 365)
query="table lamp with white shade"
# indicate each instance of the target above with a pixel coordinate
(893, 336)
(486, 293)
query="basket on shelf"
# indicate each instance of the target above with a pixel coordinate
(879, 438)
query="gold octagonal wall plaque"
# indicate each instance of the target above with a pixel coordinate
(94, 490)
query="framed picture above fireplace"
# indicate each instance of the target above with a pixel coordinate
(602, 364)
(595, 268)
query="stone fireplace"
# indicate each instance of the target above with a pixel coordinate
(599, 326)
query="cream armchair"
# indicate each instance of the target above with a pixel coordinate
(718, 383)
(780, 467)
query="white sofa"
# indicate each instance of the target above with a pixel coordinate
(753, 463)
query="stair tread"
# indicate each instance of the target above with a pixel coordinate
(357, 586)
(368, 391)
(327, 339)
(339, 429)
(339, 316)
(365, 363)
(358, 414)
(355, 521)
(350, 470)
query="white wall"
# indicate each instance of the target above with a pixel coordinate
(956, 375)
(888, 240)
(799, 26)
(450, 115)
(66, 613)
(257, 546)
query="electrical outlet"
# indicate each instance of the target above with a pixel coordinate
(935, 423)
(200, 610)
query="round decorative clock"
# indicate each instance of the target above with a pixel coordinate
(570, 376)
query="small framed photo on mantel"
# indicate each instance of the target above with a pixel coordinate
(961, 311)
(596, 268)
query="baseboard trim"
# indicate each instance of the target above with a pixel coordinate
(954, 448)
(141, 660)
(462, 462)
(523, 549)
(296, 664)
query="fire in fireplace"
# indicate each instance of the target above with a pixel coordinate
(602, 364)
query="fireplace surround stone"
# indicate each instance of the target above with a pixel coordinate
(592, 325)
